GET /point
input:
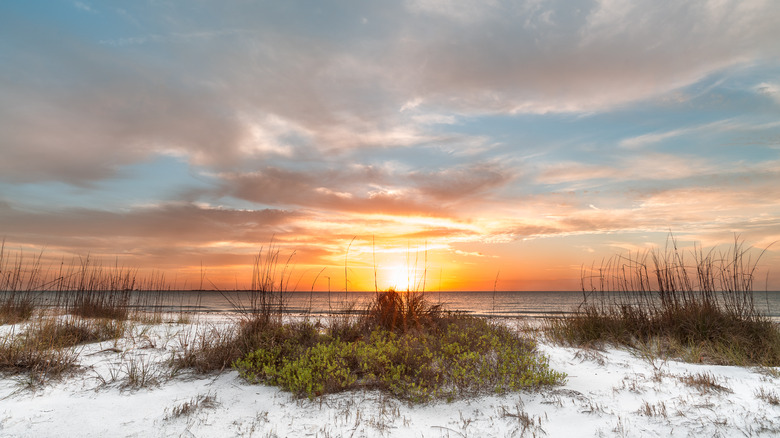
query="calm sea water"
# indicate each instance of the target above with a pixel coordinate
(500, 304)
(475, 303)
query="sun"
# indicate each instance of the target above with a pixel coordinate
(399, 278)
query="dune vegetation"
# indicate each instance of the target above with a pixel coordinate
(657, 303)
(399, 343)
(697, 306)
(633, 352)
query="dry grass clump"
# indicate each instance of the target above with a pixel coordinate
(101, 304)
(215, 348)
(90, 290)
(402, 311)
(208, 401)
(210, 349)
(704, 382)
(16, 308)
(270, 282)
(16, 297)
(768, 395)
(69, 332)
(654, 410)
(705, 306)
(81, 287)
(44, 349)
(140, 372)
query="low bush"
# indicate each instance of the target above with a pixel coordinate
(466, 358)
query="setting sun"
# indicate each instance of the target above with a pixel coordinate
(399, 278)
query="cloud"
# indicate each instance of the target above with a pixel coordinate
(644, 167)
(376, 117)
(83, 6)
(148, 233)
(726, 125)
(258, 80)
(367, 189)
(461, 183)
(463, 12)
(88, 111)
(770, 89)
(646, 139)
(563, 172)
(584, 56)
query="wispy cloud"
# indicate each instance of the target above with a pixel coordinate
(642, 167)
(770, 89)
(726, 125)
(83, 6)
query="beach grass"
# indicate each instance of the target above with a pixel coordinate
(81, 287)
(16, 300)
(15, 308)
(364, 371)
(400, 343)
(51, 311)
(697, 306)
(43, 349)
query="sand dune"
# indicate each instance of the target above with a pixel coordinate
(609, 392)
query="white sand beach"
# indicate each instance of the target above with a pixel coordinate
(610, 392)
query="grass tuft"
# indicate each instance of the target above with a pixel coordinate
(261, 314)
(208, 401)
(705, 307)
(16, 308)
(768, 395)
(654, 410)
(704, 382)
(400, 344)
(101, 304)
(402, 311)
(44, 349)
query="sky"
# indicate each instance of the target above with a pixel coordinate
(472, 144)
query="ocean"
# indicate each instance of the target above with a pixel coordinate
(505, 304)
(499, 304)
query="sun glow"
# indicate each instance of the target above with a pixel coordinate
(399, 278)
(404, 278)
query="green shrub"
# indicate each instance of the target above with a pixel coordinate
(467, 358)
